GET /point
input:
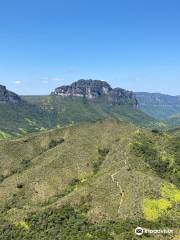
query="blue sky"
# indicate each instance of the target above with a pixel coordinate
(134, 44)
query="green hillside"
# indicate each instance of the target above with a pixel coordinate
(19, 119)
(39, 113)
(79, 109)
(89, 181)
(160, 106)
(174, 120)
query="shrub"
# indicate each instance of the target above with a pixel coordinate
(74, 182)
(2, 177)
(155, 131)
(102, 154)
(53, 143)
(103, 151)
(155, 208)
(20, 185)
(25, 163)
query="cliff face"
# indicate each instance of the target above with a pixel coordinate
(87, 88)
(93, 89)
(8, 97)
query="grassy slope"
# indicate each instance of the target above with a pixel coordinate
(47, 112)
(20, 119)
(160, 111)
(94, 167)
(159, 106)
(77, 109)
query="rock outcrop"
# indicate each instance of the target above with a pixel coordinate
(7, 96)
(93, 89)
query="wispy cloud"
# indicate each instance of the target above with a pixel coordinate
(57, 79)
(46, 80)
(17, 82)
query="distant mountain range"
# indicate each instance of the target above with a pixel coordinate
(145, 98)
(82, 101)
(160, 106)
(106, 167)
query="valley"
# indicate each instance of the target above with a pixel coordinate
(40, 113)
(85, 162)
(102, 169)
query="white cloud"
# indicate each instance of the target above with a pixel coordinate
(17, 82)
(58, 79)
(45, 81)
(51, 79)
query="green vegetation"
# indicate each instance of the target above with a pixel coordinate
(170, 192)
(154, 209)
(160, 151)
(160, 106)
(162, 112)
(41, 113)
(77, 109)
(4, 135)
(53, 143)
(70, 188)
(102, 154)
(89, 181)
(72, 223)
(20, 119)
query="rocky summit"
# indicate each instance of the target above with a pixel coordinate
(8, 97)
(93, 89)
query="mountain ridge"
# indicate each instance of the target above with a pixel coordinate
(39, 113)
(93, 89)
(160, 106)
(7, 96)
(115, 175)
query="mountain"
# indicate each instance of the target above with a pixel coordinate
(145, 98)
(90, 181)
(93, 89)
(91, 100)
(94, 175)
(160, 106)
(73, 110)
(82, 101)
(18, 117)
(8, 97)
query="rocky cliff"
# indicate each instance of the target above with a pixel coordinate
(93, 89)
(8, 97)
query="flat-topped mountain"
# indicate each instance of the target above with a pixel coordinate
(93, 89)
(7, 96)
(26, 114)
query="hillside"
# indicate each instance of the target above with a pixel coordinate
(46, 112)
(160, 106)
(82, 101)
(90, 181)
(7, 96)
(19, 119)
(78, 109)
